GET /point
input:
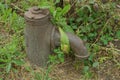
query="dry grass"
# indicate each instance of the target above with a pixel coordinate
(108, 70)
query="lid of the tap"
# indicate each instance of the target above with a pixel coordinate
(36, 13)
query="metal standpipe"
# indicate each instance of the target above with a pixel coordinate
(41, 37)
(37, 35)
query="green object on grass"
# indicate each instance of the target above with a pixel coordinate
(65, 46)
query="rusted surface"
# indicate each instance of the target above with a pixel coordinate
(37, 35)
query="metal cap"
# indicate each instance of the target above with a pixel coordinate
(36, 13)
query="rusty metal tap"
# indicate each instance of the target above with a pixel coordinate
(41, 37)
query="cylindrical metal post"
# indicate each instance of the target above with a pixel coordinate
(37, 35)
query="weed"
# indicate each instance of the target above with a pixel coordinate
(11, 53)
(57, 58)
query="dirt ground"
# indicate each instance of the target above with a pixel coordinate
(67, 71)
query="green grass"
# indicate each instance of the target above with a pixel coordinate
(97, 27)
